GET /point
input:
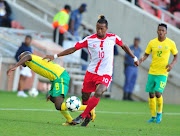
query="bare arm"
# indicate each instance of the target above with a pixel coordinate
(63, 53)
(21, 62)
(72, 26)
(128, 51)
(170, 66)
(143, 58)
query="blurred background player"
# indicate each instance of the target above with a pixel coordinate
(99, 73)
(130, 70)
(55, 73)
(159, 68)
(76, 20)
(25, 71)
(60, 22)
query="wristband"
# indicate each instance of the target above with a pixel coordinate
(55, 56)
(135, 59)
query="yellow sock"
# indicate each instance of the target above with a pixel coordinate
(152, 105)
(63, 106)
(67, 115)
(65, 112)
(82, 108)
(159, 104)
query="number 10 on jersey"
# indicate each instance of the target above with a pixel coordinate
(101, 54)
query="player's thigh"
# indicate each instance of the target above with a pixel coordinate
(150, 86)
(100, 89)
(161, 81)
(89, 83)
(105, 80)
(60, 87)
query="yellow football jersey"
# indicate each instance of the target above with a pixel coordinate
(160, 55)
(46, 69)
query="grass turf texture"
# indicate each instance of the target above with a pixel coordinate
(113, 118)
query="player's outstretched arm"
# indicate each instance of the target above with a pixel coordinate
(128, 51)
(63, 53)
(143, 58)
(170, 66)
(21, 62)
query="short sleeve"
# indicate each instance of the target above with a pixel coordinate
(148, 48)
(118, 40)
(173, 48)
(81, 44)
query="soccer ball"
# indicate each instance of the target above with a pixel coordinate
(33, 92)
(73, 103)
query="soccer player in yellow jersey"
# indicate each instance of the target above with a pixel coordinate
(56, 74)
(159, 68)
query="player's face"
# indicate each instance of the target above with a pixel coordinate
(101, 30)
(161, 31)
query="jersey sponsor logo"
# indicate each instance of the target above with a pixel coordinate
(160, 47)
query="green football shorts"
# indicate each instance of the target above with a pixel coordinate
(156, 83)
(60, 86)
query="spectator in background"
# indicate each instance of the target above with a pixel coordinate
(174, 6)
(5, 12)
(136, 2)
(130, 70)
(25, 71)
(61, 20)
(76, 19)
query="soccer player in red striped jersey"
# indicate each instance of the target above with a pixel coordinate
(99, 72)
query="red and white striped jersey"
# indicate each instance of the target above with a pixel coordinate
(101, 52)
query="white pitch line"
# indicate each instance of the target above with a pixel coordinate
(104, 112)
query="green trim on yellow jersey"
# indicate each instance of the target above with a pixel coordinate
(50, 70)
(44, 68)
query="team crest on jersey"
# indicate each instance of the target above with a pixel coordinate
(166, 47)
(94, 45)
(160, 47)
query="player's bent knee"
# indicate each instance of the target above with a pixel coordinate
(99, 92)
(158, 94)
(151, 95)
(58, 106)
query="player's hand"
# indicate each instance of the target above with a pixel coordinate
(169, 67)
(136, 63)
(10, 70)
(140, 61)
(49, 57)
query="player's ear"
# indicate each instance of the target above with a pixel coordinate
(106, 28)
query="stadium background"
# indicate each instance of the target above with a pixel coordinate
(125, 20)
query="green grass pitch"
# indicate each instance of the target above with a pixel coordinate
(36, 117)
